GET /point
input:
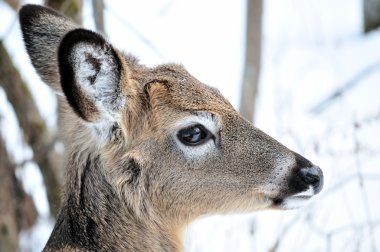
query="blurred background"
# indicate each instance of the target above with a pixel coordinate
(307, 72)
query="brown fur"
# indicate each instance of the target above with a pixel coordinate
(130, 185)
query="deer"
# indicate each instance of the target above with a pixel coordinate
(150, 149)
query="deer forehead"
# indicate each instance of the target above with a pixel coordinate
(168, 93)
(180, 89)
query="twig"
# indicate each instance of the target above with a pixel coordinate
(345, 88)
(352, 226)
(284, 231)
(362, 185)
(132, 28)
(167, 6)
(346, 180)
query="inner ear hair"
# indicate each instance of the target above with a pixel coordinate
(90, 72)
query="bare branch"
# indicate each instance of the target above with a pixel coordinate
(167, 6)
(284, 231)
(348, 179)
(133, 29)
(353, 226)
(345, 88)
(363, 187)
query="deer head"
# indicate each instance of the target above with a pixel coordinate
(168, 146)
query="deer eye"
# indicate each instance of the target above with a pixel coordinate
(194, 135)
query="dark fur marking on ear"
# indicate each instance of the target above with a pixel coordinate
(95, 64)
(114, 128)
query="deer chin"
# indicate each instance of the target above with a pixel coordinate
(294, 201)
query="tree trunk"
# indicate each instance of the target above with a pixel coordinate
(371, 15)
(98, 13)
(252, 59)
(70, 8)
(36, 134)
(17, 210)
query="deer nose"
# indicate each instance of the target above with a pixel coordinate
(312, 176)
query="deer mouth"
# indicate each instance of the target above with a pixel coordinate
(294, 201)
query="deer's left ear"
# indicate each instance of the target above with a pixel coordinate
(92, 74)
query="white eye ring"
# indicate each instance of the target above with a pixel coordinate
(196, 147)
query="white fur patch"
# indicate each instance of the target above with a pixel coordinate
(294, 202)
(210, 123)
(308, 193)
(97, 74)
(298, 200)
(102, 130)
(99, 81)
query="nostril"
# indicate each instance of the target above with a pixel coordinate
(312, 176)
(308, 176)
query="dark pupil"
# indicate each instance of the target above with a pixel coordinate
(192, 135)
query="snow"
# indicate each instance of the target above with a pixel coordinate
(310, 49)
(300, 70)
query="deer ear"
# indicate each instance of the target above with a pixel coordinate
(91, 73)
(42, 29)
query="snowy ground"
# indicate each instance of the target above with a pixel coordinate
(311, 49)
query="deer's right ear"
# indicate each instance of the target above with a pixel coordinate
(92, 74)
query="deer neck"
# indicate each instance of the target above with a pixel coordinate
(93, 217)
